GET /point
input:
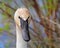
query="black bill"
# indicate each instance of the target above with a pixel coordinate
(25, 30)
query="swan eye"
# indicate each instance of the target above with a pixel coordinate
(19, 17)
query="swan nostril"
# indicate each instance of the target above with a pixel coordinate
(27, 40)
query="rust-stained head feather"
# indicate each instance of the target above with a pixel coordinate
(22, 13)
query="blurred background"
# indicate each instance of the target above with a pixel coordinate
(44, 27)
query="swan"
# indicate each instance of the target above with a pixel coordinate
(22, 19)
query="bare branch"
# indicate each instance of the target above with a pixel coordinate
(8, 6)
(9, 15)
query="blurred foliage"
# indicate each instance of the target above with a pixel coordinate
(6, 27)
(8, 1)
(48, 23)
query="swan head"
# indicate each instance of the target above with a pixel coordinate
(22, 19)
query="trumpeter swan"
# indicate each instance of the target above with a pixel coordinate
(22, 19)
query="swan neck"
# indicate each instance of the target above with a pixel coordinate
(20, 43)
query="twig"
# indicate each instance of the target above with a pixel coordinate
(9, 15)
(8, 6)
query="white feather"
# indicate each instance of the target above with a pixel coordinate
(24, 14)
